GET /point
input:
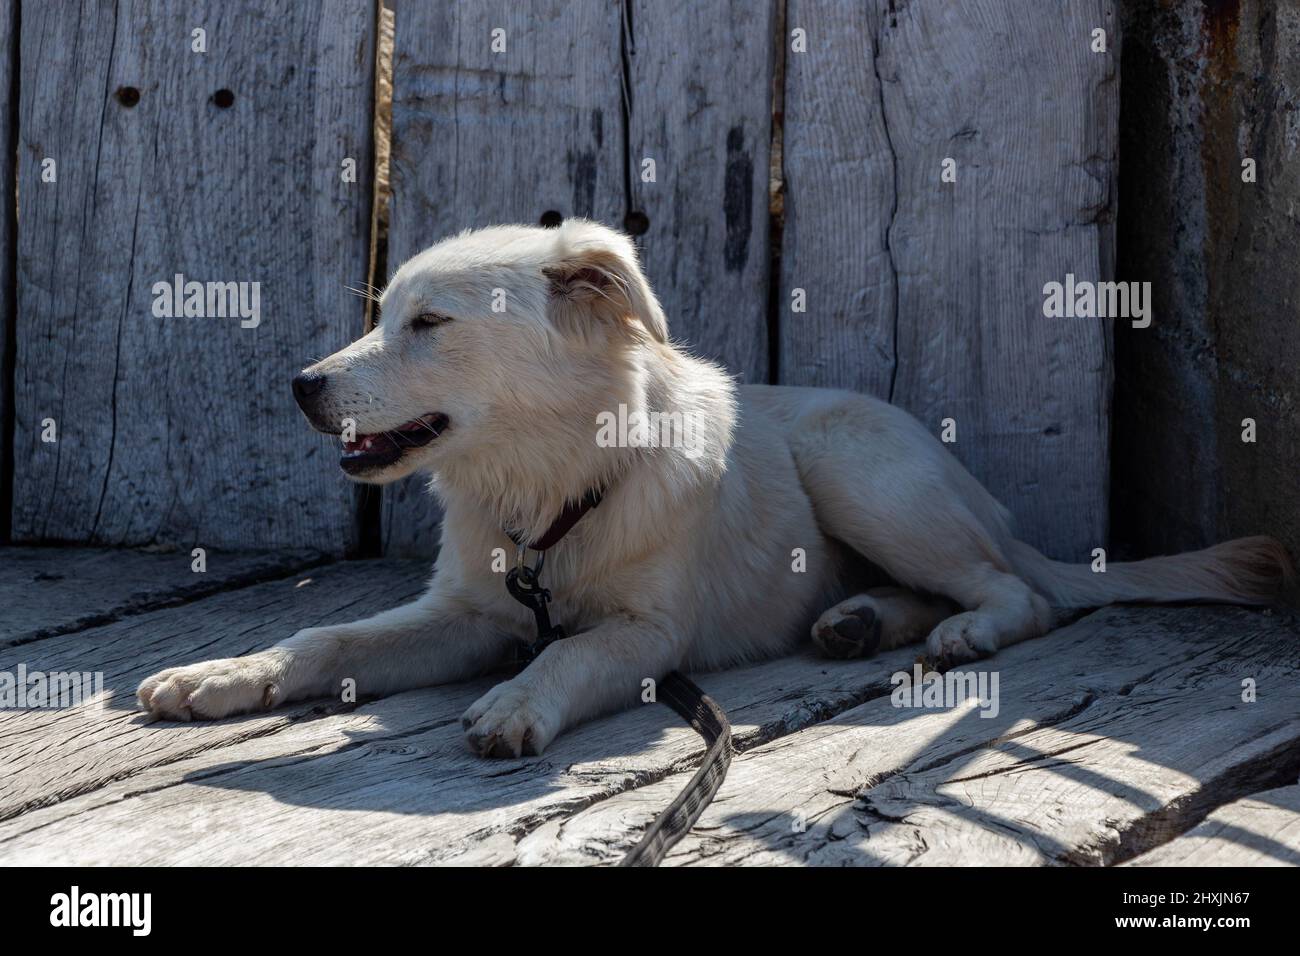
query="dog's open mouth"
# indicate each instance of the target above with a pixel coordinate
(383, 448)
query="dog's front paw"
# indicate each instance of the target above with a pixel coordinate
(212, 689)
(508, 721)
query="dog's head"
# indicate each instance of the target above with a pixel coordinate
(482, 336)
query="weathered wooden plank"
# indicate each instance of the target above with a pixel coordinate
(839, 194)
(1111, 733)
(1088, 792)
(182, 431)
(8, 111)
(483, 137)
(393, 783)
(699, 79)
(49, 754)
(1208, 87)
(1260, 830)
(49, 591)
(929, 293)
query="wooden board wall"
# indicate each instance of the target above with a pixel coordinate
(700, 105)
(1207, 88)
(8, 116)
(179, 431)
(560, 121)
(930, 294)
(173, 430)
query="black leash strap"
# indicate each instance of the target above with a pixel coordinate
(710, 722)
(696, 707)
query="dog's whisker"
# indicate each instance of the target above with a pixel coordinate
(363, 293)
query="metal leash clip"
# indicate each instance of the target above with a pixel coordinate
(523, 583)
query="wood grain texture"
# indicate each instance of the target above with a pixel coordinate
(51, 754)
(700, 105)
(1206, 87)
(930, 293)
(182, 431)
(51, 591)
(482, 138)
(839, 196)
(1112, 734)
(8, 240)
(1260, 830)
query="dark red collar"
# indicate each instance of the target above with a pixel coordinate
(562, 525)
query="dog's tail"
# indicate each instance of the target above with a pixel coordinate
(1242, 571)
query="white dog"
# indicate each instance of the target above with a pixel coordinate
(499, 355)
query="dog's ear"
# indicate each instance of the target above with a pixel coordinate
(596, 271)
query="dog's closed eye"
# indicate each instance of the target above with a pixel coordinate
(427, 320)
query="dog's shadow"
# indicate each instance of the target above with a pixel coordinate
(407, 757)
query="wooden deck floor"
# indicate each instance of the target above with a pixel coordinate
(1121, 738)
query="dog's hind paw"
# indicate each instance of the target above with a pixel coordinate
(962, 638)
(844, 633)
(509, 721)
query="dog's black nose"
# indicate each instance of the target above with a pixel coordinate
(305, 385)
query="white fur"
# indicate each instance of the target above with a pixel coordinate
(688, 562)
